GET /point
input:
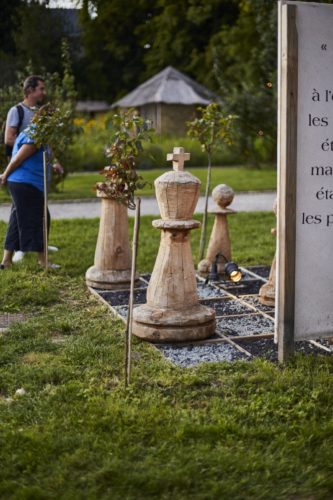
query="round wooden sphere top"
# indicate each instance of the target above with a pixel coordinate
(223, 195)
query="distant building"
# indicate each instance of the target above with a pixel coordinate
(169, 99)
(92, 108)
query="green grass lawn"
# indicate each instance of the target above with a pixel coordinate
(218, 431)
(80, 185)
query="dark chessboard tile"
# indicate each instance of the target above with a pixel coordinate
(244, 287)
(226, 306)
(192, 355)
(266, 348)
(262, 271)
(121, 297)
(249, 324)
(253, 300)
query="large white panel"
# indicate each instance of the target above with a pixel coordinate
(314, 200)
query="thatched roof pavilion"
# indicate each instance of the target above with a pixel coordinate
(169, 99)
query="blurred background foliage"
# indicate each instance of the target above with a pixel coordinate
(86, 152)
(230, 46)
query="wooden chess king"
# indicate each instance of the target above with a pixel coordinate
(173, 312)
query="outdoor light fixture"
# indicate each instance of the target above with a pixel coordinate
(231, 270)
(213, 275)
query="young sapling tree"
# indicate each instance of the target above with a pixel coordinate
(212, 129)
(128, 132)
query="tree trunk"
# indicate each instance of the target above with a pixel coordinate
(204, 220)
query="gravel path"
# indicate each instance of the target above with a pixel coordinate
(243, 202)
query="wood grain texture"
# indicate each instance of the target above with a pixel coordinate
(112, 249)
(219, 239)
(286, 222)
(172, 311)
(112, 264)
(173, 282)
(177, 195)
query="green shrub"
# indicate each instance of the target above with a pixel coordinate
(265, 148)
(155, 154)
(87, 151)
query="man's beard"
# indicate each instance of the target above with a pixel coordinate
(41, 101)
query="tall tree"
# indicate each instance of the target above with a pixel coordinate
(180, 32)
(114, 50)
(124, 46)
(8, 25)
(38, 38)
(245, 66)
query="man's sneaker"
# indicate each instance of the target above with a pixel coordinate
(18, 256)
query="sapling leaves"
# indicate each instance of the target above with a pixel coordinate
(211, 129)
(128, 131)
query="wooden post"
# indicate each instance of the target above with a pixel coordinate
(128, 353)
(45, 228)
(286, 221)
(203, 234)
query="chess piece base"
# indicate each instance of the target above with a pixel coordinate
(109, 280)
(267, 295)
(205, 267)
(169, 325)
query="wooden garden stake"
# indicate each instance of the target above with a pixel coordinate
(205, 214)
(45, 213)
(128, 351)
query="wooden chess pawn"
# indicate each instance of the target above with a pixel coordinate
(219, 242)
(267, 291)
(112, 264)
(173, 312)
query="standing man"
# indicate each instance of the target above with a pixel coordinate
(19, 116)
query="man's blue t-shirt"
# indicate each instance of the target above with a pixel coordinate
(31, 170)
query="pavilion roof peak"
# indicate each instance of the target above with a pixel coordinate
(169, 86)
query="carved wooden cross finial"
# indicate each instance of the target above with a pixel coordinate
(178, 158)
